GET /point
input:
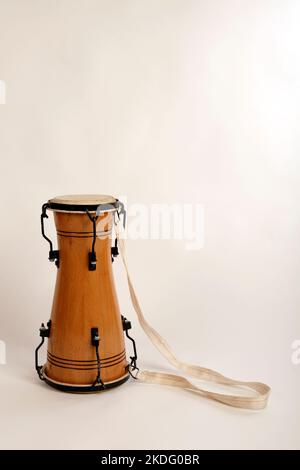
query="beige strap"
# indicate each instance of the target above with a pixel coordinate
(255, 395)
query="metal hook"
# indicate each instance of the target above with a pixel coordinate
(92, 254)
(53, 254)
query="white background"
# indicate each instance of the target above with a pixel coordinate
(163, 101)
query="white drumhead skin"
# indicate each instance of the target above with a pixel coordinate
(82, 199)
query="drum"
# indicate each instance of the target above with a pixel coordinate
(86, 348)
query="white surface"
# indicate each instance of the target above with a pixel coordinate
(162, 101)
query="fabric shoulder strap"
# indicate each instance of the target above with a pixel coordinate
(252, 395)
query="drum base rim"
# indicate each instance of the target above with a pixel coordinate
(84, 388)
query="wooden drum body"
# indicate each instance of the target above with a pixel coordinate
(86, 348)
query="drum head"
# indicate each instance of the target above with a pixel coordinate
(83, 202)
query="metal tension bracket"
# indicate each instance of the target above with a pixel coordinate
(92, 260)
(114, 250)
(44, 333)
(132, 366)
(95, 342)
(53, 254)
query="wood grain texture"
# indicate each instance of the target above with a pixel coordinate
(84, 299)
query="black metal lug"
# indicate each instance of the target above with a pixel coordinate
(95, 337)
(95, 342)
(54, 256)
(45, 330)
(115, 249)
(92, 261)
(125, 323)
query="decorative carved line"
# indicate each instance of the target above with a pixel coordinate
(86, 362)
